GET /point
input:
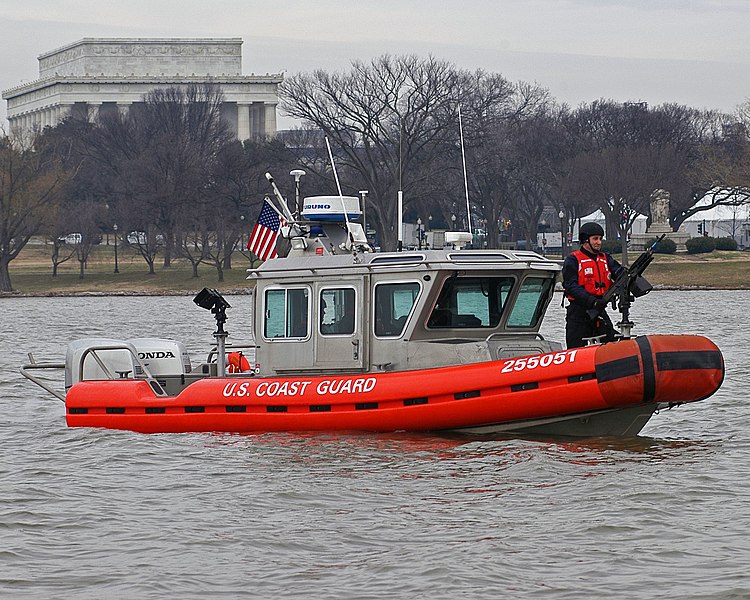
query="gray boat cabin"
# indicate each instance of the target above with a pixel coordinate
(331, 305)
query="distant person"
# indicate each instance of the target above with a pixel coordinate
(587, 274)
(345, 324)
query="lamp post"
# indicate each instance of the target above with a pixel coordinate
(114, 228)
(543, 227)
(563, 233)
(364, 193)
(453, 222)
(625, 222)
(419, 233)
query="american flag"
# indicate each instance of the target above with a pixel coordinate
(262, 240)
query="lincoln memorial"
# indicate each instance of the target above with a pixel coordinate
(95, 75)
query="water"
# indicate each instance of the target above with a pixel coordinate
(109, 514)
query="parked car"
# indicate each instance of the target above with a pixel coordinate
(71, 238)
(140, 237)
(137, 237)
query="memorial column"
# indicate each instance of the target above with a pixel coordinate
(92, 111)
(243, 122)
(123, 108)
(270, 119)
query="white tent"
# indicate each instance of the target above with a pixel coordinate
(720, 221)
(639, 225)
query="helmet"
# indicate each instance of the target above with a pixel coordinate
(589, 229)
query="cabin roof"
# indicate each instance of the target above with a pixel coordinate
(444, 259)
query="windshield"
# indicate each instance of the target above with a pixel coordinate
(471, 302)
(532, 299)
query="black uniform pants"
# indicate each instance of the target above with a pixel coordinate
(579, 325)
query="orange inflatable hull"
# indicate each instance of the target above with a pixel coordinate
(648, 370)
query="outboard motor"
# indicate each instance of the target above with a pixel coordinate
(162, 357)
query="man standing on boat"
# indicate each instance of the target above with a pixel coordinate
(587, 274)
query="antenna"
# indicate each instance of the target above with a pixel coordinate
(463, 160)
(338, 185)
(400, 220)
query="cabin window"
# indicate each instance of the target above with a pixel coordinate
(531, 301)
(337, 311)
(393, 304)
(470, 302)
(286, 315)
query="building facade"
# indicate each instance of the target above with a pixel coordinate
(95, 75)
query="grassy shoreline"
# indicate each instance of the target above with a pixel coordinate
(31, 274)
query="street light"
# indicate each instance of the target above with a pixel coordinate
(364, 193)
(419, 233)
(563, 232)
(453, 222)
(114, 227)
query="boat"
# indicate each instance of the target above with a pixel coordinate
(346, 339)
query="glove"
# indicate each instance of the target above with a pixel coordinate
(599, 305)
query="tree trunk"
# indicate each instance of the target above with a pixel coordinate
(5, 285)
(168, 248)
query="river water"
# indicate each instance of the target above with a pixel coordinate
(109, 514)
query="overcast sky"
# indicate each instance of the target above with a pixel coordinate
(693, 52)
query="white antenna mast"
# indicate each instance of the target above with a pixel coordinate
(463, 159)
(400, 203)
(338, 185)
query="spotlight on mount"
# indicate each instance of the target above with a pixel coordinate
(211, 299)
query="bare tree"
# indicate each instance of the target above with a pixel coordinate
(238, 185)
(388, 121)
(193, 238)
(58, 225)
(30, 182)
(722, 175)
(626, 151)
(495, 150)
(161, 156)
(87, 220)
(146, 242)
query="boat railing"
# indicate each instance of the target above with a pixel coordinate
(140, 370)
(33, 365)
(231, 347)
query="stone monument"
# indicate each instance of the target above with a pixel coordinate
(659, 208)
(94, 76)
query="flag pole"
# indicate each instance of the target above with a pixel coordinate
(284, 208)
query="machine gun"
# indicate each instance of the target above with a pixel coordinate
(628, 286)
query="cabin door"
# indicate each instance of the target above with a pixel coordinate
(341, 324)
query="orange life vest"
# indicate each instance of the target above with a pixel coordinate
(237, 362)
(593, 273)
